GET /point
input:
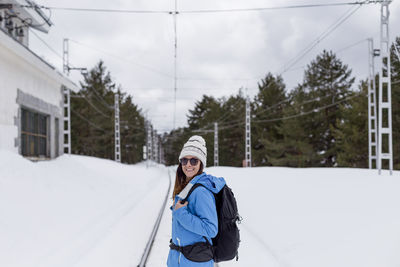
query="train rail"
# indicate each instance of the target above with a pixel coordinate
(153, 234)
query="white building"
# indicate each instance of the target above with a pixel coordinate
(31, 90)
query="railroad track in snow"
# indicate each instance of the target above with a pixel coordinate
(153, 234)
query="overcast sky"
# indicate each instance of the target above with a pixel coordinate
(218, 53)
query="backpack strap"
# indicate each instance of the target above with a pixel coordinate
(190, 191)
(187, 196)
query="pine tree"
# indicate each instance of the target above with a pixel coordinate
(295, 148)
(231, 124)
(268, 105)
(92, 115)
(92, 119)
(313, 113)
(173, 142)
(201, 122)
(133, 135)
(351, 134)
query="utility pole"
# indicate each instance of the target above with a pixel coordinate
(216, 163)
(248, 133)
(149, 143)
(160, 157)
(385, 92)
(67, 97)
(175, 58)
(117, 132)
(372, 116)
(67, 101)
(155, 146)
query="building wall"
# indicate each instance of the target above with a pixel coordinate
(23, 84)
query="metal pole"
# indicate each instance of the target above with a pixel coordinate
(372, 116)
(66, 57)
(160, 153)
(67, 101)
(175, 59)
(155, 146)
(385, 92)
(248, 134)
(117, 131)
(216, 163)
(149, 142)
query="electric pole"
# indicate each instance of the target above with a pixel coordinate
(155, 146)
(149, 142)
(216, 163)
(372, 116)
(248, 134)
(175, 58)
(385, 92)
(67, 101)
(117, 132)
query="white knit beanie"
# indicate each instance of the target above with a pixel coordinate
(196, 147)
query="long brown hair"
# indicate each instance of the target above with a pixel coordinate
(180, 179)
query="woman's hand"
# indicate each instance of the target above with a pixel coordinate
(179, 204)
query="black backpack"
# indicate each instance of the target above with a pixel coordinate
(226, 243)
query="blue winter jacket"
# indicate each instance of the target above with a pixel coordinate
(197, 219)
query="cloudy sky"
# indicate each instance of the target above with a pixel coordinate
(218, 52)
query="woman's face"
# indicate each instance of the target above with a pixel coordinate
(190, 166)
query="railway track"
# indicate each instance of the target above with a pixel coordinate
(153, 234)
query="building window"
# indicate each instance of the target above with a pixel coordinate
(57, 136)
(34, 134)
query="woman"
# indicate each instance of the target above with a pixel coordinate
(195, 221)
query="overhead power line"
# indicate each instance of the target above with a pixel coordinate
(88, 121)
(314, 110)
(309, 112)
(321, 37)
(280, 7)
(47, 45)
(91, 104)
(121, 58)
(132, 11)
(351, 45)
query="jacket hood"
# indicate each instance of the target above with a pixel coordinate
(214, 184)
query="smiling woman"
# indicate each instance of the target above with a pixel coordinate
(195, 221)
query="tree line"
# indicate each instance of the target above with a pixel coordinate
(92, 119)
(323, 121)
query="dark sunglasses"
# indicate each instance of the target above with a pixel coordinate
(193, 161)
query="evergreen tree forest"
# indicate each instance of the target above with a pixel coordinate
(322, 122)
(92, 119)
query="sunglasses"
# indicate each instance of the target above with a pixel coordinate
(193, 161)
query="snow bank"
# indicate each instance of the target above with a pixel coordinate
(87, 212)
(316, 217)
(76, 211)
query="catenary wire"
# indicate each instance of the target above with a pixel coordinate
(296, 115)
(121, 59)
(288, 65)
(91, 104)
(131, 11)
(88, 121)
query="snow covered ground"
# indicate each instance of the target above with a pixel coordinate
(316, 217)
(76, 211)
(88, 212)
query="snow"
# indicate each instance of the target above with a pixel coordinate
(76, 211)
(317, 216)
(83, 211)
